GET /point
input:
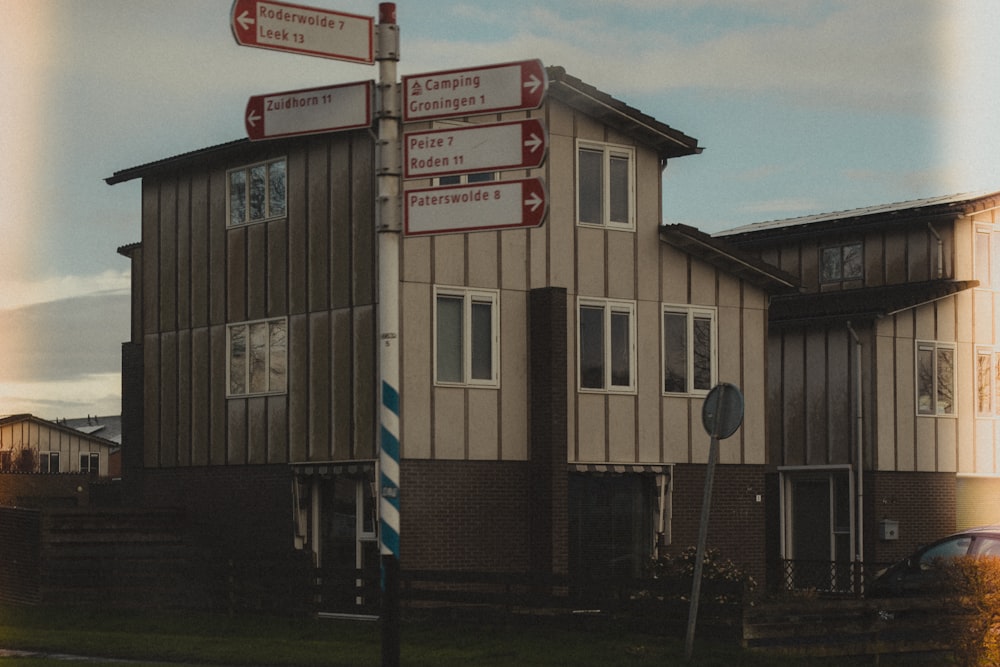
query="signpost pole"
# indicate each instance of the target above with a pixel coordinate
(388, 225)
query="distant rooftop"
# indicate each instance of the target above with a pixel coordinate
(109, 428)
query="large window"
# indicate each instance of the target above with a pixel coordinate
(605, 185)
(689, 349)
(257, 192)
(258, 357)
(90, 463)
(607, 345)
(842, 262)
(935, 378)
(466, 336)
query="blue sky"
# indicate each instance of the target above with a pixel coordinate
(802, 106)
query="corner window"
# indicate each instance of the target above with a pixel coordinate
(935, 378)
(258, 358)
(257, 192)
(605, 185)
(606, 345)
(689, 350)
(466, 336)
(842, 262)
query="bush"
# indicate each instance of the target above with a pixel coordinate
(974, 609)
(726, 575)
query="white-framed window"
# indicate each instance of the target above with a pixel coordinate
(986, 258)
(935, 380)
(258, 357)
(466, 336)
(606, 347)
(690, 349)
(842, 262)
(987, 382)
(257, 192)
(605, 185)
(463, 179)
(48, 462)
(90, 463)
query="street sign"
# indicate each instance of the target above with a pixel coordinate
(518, 144)
(309, 111)
(477, 90)
(282, 26)
(474, 208)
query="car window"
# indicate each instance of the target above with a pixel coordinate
(987, 546)
(956, 546)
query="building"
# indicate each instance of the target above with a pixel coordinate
(882, 378)
(551, 378)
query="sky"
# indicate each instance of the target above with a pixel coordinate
(801, 106)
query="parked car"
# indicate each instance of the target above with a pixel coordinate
(920, 574)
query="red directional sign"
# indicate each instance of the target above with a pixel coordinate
(309, 111)
(478, 90)
(282, 26)
(481, 207)
(519, 144)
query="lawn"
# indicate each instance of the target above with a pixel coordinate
(201, 639)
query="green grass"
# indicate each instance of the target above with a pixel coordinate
(208, 639)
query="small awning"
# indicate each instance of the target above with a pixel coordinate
(330, 469)
(621, 468)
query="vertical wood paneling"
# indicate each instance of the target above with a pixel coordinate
(593, 429)
(816, 419)
(840, 395)
(151, 256)
(342, 382)
(449, 440)
(217, 251)
(341, 225)
(620, 265)
(201, 379)
(168, 398)
(905, 435)
(256, 271)
(256, 429)
(168, 256)
(277, 268)
(919, 254)
(298, 233)
(484, 425)
(151, 401)
(277, 429)
(200, 287)
(514, 353)
(482, 259)
(298, 386)
(416, 372)
(365, 380)
(874, 251)
(217, 414)
(755, 370)
(793, 381)
(449, 259)
(236, 448)
(363, 220)
(621, 431)
(183, 270)
(590, 248)
(318, 228)
(236, 275)
(320, 353)
(184, 390)
(648, 383)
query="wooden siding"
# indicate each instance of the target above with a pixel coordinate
(640, 427)
(314, 267)
(38, 436)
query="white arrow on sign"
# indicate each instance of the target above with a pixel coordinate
(517, 144)
(477, 207)
(309, 111)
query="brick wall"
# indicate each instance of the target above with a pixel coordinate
(736, 526)
(465, 515)
(922, 502)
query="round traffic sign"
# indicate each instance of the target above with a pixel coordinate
(722, 412)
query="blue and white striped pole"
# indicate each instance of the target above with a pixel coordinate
(388, 224)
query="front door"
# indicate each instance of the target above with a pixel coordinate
(348, 545)
(819, 538)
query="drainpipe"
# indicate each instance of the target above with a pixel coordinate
(940, 250)
(859, 422)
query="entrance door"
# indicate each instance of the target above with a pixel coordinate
(348, 545)
(818, 529)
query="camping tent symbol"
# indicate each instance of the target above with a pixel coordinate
(416, 89)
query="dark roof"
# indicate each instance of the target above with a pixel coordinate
(728, 258)
(866, 303)
(667, 141)
(570, 90)
(920, 211)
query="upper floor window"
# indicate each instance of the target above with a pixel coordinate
(258, 357)
(257, 192)
(605, 185)
(466, 336)
(606, 345)
(689, 349)
(987, 382)
(985, 271)
(462, 179)
(935, 378)
(841, 262)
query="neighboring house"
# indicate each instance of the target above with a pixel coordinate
(884, 380)
(551, 379)
(29, 444)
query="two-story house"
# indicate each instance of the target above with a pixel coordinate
(551, 378)
(882, 381)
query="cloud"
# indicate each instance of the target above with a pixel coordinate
(97, 394)
(17, 292)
